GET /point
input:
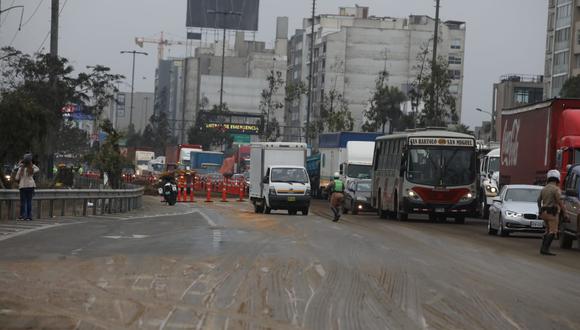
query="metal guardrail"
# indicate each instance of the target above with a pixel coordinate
(76, 202)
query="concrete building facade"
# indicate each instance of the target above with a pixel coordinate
(515, 90)
(118, 112)
(351, 48)
(562, 45)
(193, 84)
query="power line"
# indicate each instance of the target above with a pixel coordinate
(33, 13)
(6, 17)
(48, 34)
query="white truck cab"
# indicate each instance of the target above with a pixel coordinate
(278, 178)
(489, 181)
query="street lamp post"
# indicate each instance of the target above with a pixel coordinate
(133, 52)
(225, 14)
(492, 115)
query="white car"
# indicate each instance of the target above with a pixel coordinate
(515, 210)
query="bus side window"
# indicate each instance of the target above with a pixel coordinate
(378, 155)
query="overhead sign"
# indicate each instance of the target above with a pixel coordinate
(223, 14)
(452, 142)
(235, 128)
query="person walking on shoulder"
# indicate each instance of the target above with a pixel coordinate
(550, 205)
(336, 189)
(26, 185)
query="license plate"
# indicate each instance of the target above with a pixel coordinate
(537, 224)
(439, 210)
(291, 199)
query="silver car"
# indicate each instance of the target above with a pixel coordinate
(515, 210)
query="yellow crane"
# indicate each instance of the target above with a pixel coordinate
(161, 44)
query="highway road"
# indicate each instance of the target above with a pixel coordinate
(220, 266)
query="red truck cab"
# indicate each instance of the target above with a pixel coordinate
(539, 137)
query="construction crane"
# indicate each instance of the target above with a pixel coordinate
(161, 44)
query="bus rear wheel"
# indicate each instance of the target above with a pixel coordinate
(400, 216)
(382, 214)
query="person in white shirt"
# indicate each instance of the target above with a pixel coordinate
(26, 185)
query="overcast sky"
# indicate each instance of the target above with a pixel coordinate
(503, 36)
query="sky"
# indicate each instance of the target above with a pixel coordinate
(503, 36)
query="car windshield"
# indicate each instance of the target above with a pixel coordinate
(294, 175)
(359, 171)
(441, 166)
(363, 186)
(522, 195)
(493, 164)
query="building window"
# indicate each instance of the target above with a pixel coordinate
(561, 62)
(453, 59)
(456, 44)
(564, 11)
(577, 61)
(563, 35)
(578, 37)
(558, 82)
(455, 74)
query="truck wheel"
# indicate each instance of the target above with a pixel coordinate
(354, 209)
(305, 211)
(292, 212)
(258, 208)
(399, 215)
(267, 209)
(566, 241)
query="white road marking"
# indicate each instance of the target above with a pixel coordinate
(162, 326)
(127, 237)
(191, 286)
(27, 231)
(320, 270)
(210, 222)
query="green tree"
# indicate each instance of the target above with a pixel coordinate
(40, 86)
(433, 82)
(208, 137)
(109, 159)
(269, 106)
(385, 106)
(462, 128)
(571, 88)
(72, 141)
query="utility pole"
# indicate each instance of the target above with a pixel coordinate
(54, 8)
(225, 14)
(434, 97)
(133, 52)
(310, 74)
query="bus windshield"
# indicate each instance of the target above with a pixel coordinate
(441, 166)
(359, 171)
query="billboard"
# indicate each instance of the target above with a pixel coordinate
(220, 14)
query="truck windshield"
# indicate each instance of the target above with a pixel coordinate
(493, 164)
(289, 175)
(363, 186)
(157, 167)
(441, 166)
(359, 171)
(142, 162)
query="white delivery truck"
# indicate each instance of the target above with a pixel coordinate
(488, 181)
(278, 177)
(142, 159)
(348, 153)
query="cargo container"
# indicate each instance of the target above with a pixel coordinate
(204, 162)
(539, 137)
(348, 153)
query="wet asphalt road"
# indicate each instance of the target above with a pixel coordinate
(220, 266)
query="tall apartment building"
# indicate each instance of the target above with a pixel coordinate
(515, 90)
(187, 85)
(562, 45)
(118, 111)
(351, 48)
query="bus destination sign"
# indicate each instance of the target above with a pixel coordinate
(451, 142)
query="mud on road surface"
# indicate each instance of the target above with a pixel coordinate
(228, 268)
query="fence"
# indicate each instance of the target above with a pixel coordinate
(222, 187)
(76, 202)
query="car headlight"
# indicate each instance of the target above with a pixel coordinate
(468, 197)
(512, 214)
(414, 196)
(272, 191)
(308, 191)
(7, 177)
(491, 189)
